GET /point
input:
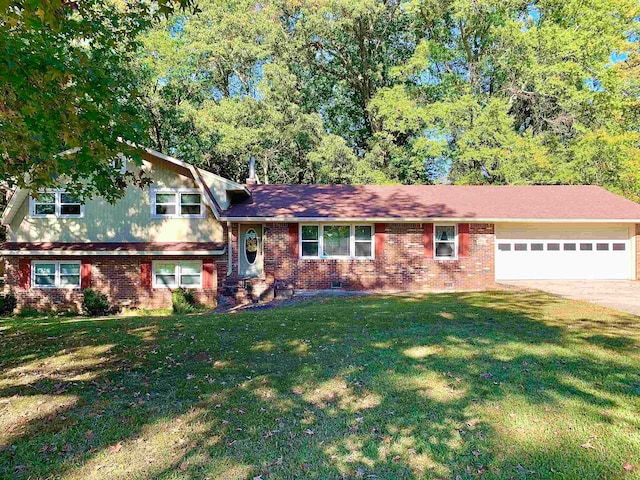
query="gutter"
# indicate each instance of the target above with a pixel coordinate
(427, 220)
(230, 250)
(113, 253)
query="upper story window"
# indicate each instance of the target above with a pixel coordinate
(446, 240)
(176, 203)
(336, 241)
(56, 204)
(120, 164)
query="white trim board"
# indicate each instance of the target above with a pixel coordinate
(424, 220)
(112, 253)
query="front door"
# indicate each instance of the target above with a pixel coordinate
(250, 259)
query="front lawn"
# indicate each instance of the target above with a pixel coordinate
(487, 385)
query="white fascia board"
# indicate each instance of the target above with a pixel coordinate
(12, 207)
(112, 253)
(428, 220)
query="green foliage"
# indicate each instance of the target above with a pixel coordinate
(375, 92)
(183, 301)
(349, 91)
(8, 303)
(95, 303)
(68, 87)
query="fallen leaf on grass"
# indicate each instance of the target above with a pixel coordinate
(116, 448)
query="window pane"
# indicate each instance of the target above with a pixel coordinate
(618, 247)
(570, 246)
(69, 280)
(363, 232)
(190, 280)
(520, 247)
(445, 250)
(586, 246)
(165, 268)
(191, 268)
(45, 268)
(190, 209)
(165, 209)
(69, 269)
(165, 198)
(504, 247)
(363, 249)
(68, 198)
(46, 209)
(602, 246)
(309, 249)
(445, 233)
(45, 280)
(553, 246)
(190, 198)
(73, 209)
(166, 280)
(46, 198)
(336, 240)
(309, 232)
(536, 247)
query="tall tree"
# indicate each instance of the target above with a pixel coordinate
(522, 92)
(67, 87)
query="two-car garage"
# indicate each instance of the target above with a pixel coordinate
(549, 251)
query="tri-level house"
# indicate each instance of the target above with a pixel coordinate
(196, 230)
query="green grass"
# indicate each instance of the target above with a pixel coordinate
(485, 385)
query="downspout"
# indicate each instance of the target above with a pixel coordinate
(229, 250)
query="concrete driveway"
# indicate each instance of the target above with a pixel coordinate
(620, 294)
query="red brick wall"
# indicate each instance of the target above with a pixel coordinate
(403, 265)
(118, 277)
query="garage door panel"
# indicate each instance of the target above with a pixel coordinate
(530, 253)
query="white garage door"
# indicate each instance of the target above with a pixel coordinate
(564, 252)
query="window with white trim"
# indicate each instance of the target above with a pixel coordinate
(446, 242)
(174, 274)
(56, 204)
(176, 203)
(310, 240)
(120, 164)
(55, 274)
(337, 241)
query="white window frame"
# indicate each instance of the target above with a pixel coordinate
(57, 264)
(455, 241)
(177, 268)
(352, 241)
(58, 205)
(177, 192)
(122, 168)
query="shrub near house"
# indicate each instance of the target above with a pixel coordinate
(208, 235)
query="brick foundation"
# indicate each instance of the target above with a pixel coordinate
(403, 264)
(118, 277)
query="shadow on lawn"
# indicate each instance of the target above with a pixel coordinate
(398, 387)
